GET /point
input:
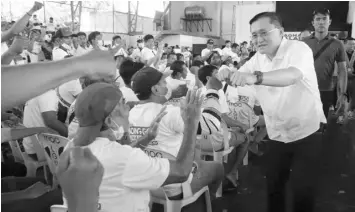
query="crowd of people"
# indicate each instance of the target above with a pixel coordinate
(119, 106)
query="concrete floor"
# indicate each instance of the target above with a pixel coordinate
(337, 182)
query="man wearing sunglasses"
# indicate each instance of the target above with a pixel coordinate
(283, 74)
(327, 52)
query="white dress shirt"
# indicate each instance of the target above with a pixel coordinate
(292, 112)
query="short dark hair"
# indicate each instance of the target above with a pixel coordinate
(117, 56)
(179, 55)
(204, 72)
(235, 45)
(172, 53)
(197, 63)
(323, 11)
(228, 41)
(116, 37)
(177, 67)
(92, 36)
(50, 17)
(127, 69)
(275, 19)
(148, 37)
(81, 34)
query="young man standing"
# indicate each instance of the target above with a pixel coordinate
(327, 52)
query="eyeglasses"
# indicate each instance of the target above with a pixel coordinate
(263, 35)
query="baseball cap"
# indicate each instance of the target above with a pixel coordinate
(145, 79)
(210, 41)
(95, 103)
(323, 11)
(63, 32)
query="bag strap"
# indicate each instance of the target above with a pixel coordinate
(225, 88)
(66, 50)
(316, 56)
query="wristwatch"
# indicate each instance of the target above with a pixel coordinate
(259, 77)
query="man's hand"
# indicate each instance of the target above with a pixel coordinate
(154, 126)
(224, 74)
(97, 64)
(340, 106)
(80, 174)
(17, 45)
(190, 107)
(242, 79)
(37, 6)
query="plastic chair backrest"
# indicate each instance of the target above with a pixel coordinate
(185, 187)
(16, 146)
(53, 146)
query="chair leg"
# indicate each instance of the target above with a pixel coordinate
(31, 170)
(208, 201)
(219, 192)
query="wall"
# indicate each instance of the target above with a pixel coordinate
(244, 12)
(103, 22)
(212, 10)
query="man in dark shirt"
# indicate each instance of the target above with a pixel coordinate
(324, 64)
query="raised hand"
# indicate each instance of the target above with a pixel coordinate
(154, 126)
(37, 6)
(191, 106)
(98, 64)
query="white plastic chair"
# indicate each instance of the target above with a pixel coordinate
(159, 196)
(20, 156)
(53, 146)
(59, 208)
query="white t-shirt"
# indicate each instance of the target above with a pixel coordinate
(239, 112)
(148, 54)
(292, 112)
(128, 94)
(228, 52)
(69, 91)
(33, 114)
(128, 177)
(81, 51)
(222, 100)
(51, 27)
(171, 127)
(58, 53)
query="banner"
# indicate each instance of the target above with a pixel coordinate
(292, 35)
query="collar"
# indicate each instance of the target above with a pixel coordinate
(282, 49)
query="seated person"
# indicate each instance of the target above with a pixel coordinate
(72, 121)
(246, 94)
(196, 65)
(42, 111)
(151, 89)
(177, 78)
(208, 75)
(129, 172)
(127, 69)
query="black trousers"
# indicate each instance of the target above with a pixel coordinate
(328, 99)
(302, 157)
